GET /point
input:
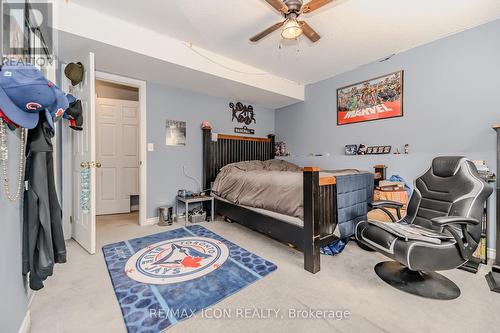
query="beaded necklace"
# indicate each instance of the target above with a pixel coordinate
(4, 157)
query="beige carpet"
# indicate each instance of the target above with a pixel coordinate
(80, 298)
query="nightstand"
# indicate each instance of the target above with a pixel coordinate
(190, 200)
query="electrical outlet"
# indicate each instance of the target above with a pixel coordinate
(151, 147)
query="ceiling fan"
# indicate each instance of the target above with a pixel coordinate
(293, 28)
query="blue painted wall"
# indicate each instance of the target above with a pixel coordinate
(13, 305)
(164, 165)
(451, 100)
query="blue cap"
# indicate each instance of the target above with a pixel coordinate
(24, 91)
(56, 111)
(70, 98)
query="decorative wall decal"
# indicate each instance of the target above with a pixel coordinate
(244, 130)
(175, 133)
(243, 114)
(374, 99)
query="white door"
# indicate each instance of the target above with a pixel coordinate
(117, 138)
(83, 154)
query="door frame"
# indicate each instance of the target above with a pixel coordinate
(141, 85)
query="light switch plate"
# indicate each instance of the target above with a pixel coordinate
(151, 147)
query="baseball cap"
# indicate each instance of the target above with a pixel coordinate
(24, 91)
(9, 122)
(55, 112)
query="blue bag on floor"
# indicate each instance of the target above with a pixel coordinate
(335, 247)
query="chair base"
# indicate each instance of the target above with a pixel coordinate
(426, 284)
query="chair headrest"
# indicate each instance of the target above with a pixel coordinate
(447, 166)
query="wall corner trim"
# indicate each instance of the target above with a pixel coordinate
(149, 222)
(26, 324)
(492, 253)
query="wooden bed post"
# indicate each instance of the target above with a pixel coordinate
(272, 137)
(311, 220)
(207, 155)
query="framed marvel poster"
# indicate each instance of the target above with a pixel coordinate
(374, 99)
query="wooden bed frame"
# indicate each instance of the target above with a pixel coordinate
(320, 199)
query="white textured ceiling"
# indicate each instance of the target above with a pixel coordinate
(354, 32)
(139, 66)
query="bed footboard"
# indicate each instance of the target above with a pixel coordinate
(320, 215)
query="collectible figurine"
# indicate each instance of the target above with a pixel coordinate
(361, 150)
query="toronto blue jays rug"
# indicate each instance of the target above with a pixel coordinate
(167, 277)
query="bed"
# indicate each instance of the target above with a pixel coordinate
(308, 216)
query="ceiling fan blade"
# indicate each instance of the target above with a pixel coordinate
(309, 32)
(266, 32)
(279, 5)
(314, 4)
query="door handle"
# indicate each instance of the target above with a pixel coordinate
(88, 165)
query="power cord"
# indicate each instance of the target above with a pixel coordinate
(192, 178)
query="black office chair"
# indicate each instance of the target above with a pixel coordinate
(449, 199)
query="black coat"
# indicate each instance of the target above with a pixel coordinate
(43, 238)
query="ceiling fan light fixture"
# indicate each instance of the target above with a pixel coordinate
(291, 29)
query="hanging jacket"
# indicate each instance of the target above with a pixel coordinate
(43, 238)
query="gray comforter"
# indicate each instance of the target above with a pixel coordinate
(273, 185)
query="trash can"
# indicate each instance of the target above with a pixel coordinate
(165, 216)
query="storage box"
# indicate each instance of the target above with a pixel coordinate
(384, 183)
(198, 218)
(398, 196)
(390, 188)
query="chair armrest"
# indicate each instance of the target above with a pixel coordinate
(384, 204)
(465, 241)
(449, 220)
